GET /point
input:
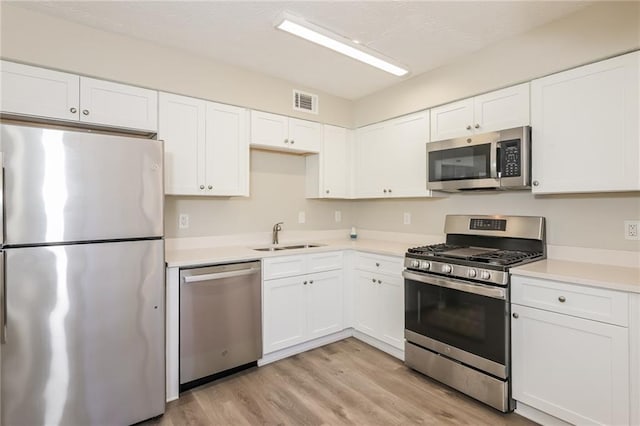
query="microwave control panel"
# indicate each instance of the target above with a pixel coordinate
(510, 160)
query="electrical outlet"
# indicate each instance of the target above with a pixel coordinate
(183, 221)
(337, 215)
(406, 219)
(302, 217)
(632, 229)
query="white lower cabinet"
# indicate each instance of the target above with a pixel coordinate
(569, 365)
(379, 299)
(304, 306)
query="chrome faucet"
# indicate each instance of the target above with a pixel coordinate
(276, 228)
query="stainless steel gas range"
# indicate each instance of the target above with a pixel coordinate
(457, 327)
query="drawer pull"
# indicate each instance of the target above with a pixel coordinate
(515, 315)
(562, 299)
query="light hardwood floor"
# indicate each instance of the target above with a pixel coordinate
(345, 383)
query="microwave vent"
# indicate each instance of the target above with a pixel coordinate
(306, 102)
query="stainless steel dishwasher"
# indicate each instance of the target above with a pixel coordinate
(220, 320)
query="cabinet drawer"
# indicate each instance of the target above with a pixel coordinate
(380, 264)
(585, 302)
(320, 262)
(286, 266)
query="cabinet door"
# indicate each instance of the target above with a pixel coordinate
(39, 92)
(113, 104)
(335, 160)
(366, 303)
(407, 155)
(391, 310)
(585, 128)
(269, 130)
(452, 120)
(324, 303)
(284, 313)
(370, 162)
(502, 109)
(226, 150)
(572, 368)
(182, 128)
(304, 136)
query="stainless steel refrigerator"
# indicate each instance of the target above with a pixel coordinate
(83, 278)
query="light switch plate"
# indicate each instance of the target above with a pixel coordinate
(183, 221)
(406, 219)
(337, 215)
(302, 217)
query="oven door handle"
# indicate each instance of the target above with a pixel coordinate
(479, 289)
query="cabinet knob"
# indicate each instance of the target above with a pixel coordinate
(379, 282)
(310, 281)
(377, 264)
(515, 315)
(73, 110)
(85, 111)
(384, 190)
(536, 183)
(210, 187)
(286, 141)
(373, 280)
(469, 127)
(327, 191)
(305, 283)
(389, 191)
(292, 141)
(562, 299)
(201, 186)
(477, 126)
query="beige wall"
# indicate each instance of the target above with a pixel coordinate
(34, 38)
(277, 195)
(595, 32)
(592, 220)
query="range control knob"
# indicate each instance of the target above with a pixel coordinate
(485, 275)
(415, 263)
(425, 265)
(446, 269)
(472, 273)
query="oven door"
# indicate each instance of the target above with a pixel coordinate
(463, 163)
(464, 321)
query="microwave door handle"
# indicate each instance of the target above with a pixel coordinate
(494, 157)
(498, 160)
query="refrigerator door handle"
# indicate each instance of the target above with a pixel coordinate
(3, 302)
(1, 200)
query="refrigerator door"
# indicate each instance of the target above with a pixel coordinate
(85, 334)
(66, 186)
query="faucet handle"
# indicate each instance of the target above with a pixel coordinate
(277, 226)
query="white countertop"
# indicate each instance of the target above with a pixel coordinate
(590, 274)
(223, 254)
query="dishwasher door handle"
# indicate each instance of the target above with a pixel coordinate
(220, 275)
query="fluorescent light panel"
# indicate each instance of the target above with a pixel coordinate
(330, 41)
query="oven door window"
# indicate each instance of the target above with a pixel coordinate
(467, 321)
(469, 162)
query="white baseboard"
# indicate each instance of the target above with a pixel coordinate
(538, 416)
(384, 347)
(303, 347)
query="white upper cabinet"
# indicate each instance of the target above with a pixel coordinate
(39, 92)
(501, 109)
(328, 174)
(391, 158)
(113, 104)
(206, 147)
(585, 128)
(48, 94)
(277, 132)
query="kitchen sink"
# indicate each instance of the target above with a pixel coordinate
(291, 247)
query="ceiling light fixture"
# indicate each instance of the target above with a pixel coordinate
(337, 43)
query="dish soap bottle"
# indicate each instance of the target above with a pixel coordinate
(353, 234)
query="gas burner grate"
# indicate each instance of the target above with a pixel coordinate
(506, 257)
(433, 248)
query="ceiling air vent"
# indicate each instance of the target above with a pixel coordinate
(306, 102)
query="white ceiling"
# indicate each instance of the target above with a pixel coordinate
(422, 35)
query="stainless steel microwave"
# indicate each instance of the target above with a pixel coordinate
(497, 160)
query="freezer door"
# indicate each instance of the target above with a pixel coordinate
(85, 334)
(65, 186)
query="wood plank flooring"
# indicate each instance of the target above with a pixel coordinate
(345, 383)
